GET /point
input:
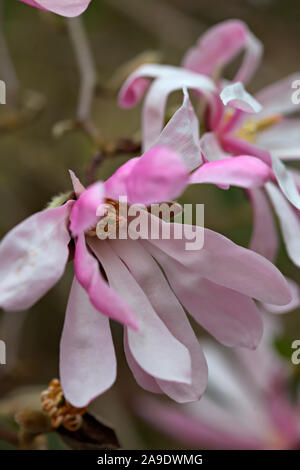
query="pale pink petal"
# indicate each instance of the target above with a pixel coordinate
(102, 297)
(225, 263)
(87, 356)
(150, 278)
(277, 98)
(154, 348)
(33, 257)
(210, 147)
(243, 171)
(236, 96)
(283, 139)
(159, 175)
(144, 380)
(137, 83)
(77, 185)
(232, 318)
(67, 8)
(286, 182)
(218, 430)
(182, 134)
(289, 222)
(294, 303)
(84, 212)
(264, 239)
(220, 45)
(156, 99)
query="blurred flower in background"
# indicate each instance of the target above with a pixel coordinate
(67, 8)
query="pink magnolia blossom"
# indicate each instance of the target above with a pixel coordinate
(69, 8)
(215, 284)
(247, 404)
(259, 126)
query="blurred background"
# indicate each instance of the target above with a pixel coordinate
(34, 163)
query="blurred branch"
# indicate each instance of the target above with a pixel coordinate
(9, 436)
(169, 24)
(8, 73)
(86, 66)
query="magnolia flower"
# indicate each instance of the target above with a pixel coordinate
(69, 8)
(247, 404)
(140, 283)
(270, 135)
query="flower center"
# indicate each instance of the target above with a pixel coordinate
(251, 128)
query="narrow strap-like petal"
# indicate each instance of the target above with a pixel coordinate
(87, 356)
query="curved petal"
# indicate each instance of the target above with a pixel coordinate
(156, 100)
(77, 185)
(84, 212)
(294, 303)
(242, 171)
(159, 175)
(237, 97)
(102, 297)
(264, 239)
(33, 257)
(211, 148)
(232, 318)
(87, 356)
(289, 222)
(225, 263)
(182, 134)
(67, 8)
(115, 186)
(144, 380)
(220, 45)
(154, 348)
(277, 98)
(151, 279)
(286, 182)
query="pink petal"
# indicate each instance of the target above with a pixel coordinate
(101, 296)
(243, 171)
(286, 182)
(87, 356)
(211, 148)
(230, 317)
(77, 186)
(116, 185)
(33, 257)
(67, 8)
(264, 239)
(154, 348)
(282, 140)
(182, 134)
(150, 278)
(225, 263)
(156, 100)
(294, 303)
(84, 212)
(236, 96)
(277, 98)
(144, 380)
(159, 175)
(137, 83)
(219, 430)
(289, 222)
(238, 146)
(220, 45)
